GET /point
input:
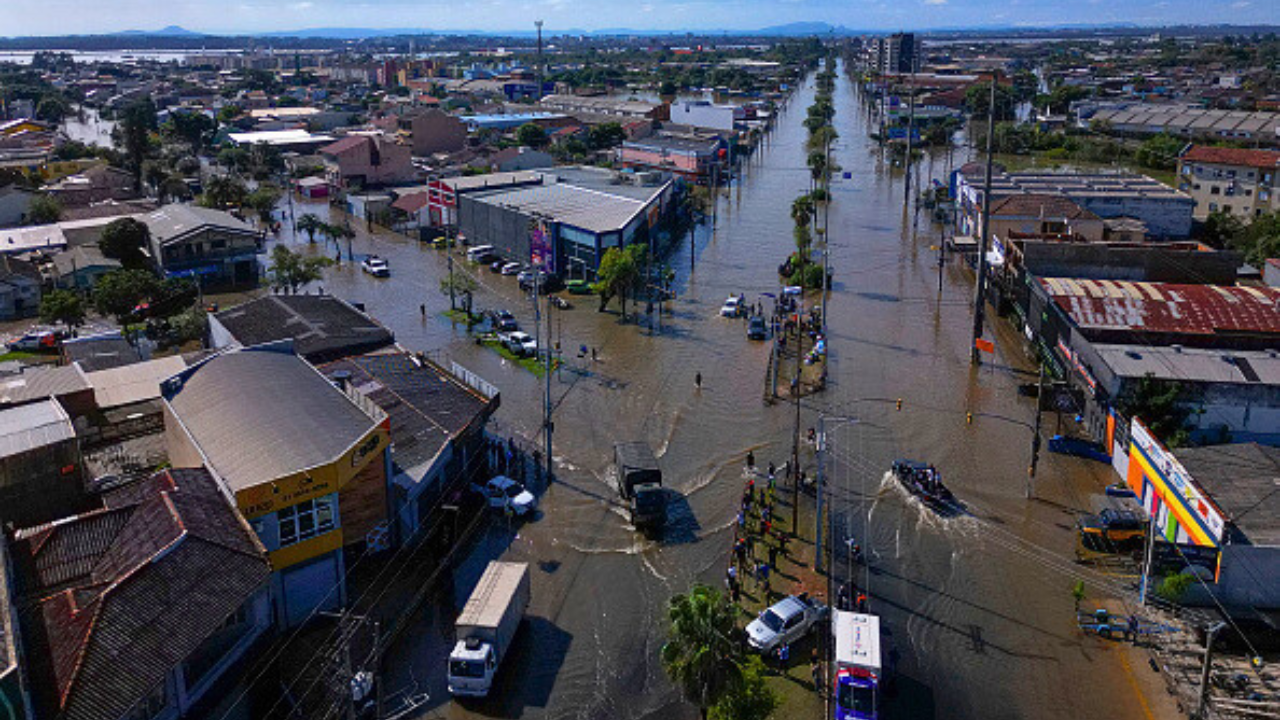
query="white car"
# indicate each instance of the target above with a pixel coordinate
(511, 268)
(732, 307)
(502, 492)
(376, 266)
(520, 343)
(788, 620)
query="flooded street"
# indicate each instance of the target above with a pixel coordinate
(978, 608)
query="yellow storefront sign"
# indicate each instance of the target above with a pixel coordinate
(305, 550)
(269, 497)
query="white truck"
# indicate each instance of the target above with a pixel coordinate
(487, 626)
(858, 669)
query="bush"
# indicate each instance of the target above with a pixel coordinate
(810, 277)
(1173, 587)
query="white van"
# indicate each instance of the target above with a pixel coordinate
(479, 253)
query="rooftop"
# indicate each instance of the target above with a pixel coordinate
(279, 137)
(37, 383)
(591, 210)
(35, 425)
(130, 384)
(427, 406)
(1192, 364)
(262, 413)
(1263, 159)
(99, 352)
(322, 327)
(1041, 206)
(1204, 310)
(175, 221)
(116, 598)
(1244, 481)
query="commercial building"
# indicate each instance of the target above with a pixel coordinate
(321, 327)
(136, 609)
(1236, 181)
(306, 463)
(566, 223)
(367, 161)
(443, 194)
(694, 159)
(608, 109)
(707, 115)
(1180, 120)
(896, 54)
(1035, 214)
(437, 419)
(210, 246)
(507, 121)
(1166, 212)
(288, 140)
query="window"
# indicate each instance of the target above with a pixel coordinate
(1226, 209)
(218, 245)
(1213, 207)
(1215, 190)
(305, 520)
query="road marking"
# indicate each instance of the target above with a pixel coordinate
(1133, 682)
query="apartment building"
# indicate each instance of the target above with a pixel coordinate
(1235, 181)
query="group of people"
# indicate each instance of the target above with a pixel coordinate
(756, 543)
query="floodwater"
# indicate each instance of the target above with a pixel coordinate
(977, 608)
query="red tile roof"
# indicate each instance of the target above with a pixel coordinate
(345, 144)
(1049, 207)
(411, 203)
(1265, 159)
(1194, 310)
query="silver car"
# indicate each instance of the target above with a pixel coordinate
(786, 621)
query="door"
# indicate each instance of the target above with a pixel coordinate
(311, 587)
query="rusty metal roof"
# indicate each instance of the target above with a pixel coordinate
(1166, 307)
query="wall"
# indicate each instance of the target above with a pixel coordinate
(505, 229)
(1151, 263)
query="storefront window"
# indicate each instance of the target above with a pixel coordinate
(305, 520)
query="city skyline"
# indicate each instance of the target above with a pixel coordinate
(66, 17)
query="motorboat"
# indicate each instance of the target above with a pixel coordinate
(925, 482)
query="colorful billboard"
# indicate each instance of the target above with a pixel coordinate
(1182, 512)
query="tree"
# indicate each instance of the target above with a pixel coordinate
(229, 113)
(44, 210)
(189, 325)
(62, 306)
(459, 283)
(531, 135)
(190, 127)
(752, 699)
(223, 191)
(703, 652)
(977, 99)
(619, 270)
(290, 271)
(1160, 151)
(605, 136)
(263, 201)
(1162, 407)
(136, 125)
(52, 108)
(120, 292)
(309, 224)
(124, 240)
(1260, 240)
(1221, 230)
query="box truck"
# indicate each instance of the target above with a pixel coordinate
(487, 626)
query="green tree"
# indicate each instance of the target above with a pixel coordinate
(1162, 407)
(263, 201)
(1260, 240)
(192, 127)
(618, 274)
(752, 699)
(309, 224)
(1221, 230)
(136, 125)
(703, 652)
(1173, 587)
(605, 136)
(119, 292)
(977, 100)
(62, 306)
(125, 239)
(531, 135)
(290, 271)
(52, 108)
(1160, 151)
(43, 210)
(229, 113)
(223, 191)
(189, 325)
(458, 283)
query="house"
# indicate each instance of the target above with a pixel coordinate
(33, 239)
(434, 131)
(80, 267)
(322, 327)
(1033, 213)
(515, 159)
(437, 423)
(19, 290)
(136, 609)
(367, 161)
(306, 463)
(14, 202)
(97, 184)
(40, 465)
(1240, 182)
(211, 246)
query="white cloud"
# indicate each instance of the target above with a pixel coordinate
(302, 6)
(1241, 5)
(935, 2)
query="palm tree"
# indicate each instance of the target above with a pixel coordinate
(802, 210)
(703, 653)
(309, 224)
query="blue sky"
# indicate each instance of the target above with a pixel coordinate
(55, 17)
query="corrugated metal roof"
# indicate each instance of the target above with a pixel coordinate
(34, 425)
(1242, 479)
(592, 210)
(135, 383)
(259, 414)
(1191, 364)
(38, 383)
(1167, 307)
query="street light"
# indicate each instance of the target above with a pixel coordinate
(821, 441)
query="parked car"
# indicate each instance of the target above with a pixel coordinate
(756, 329)
(504, 493)
(511, 268)
(376, 266)
(788, 620)
(35, 340)
(732, 307)
(504, 321)
(520, 343)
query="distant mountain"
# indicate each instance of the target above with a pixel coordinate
(170, 31)
(339, 33)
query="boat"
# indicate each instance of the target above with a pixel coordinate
(925, 482)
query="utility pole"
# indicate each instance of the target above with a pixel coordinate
(979, 296)
(911, 124)
(548, 424)
(448, 251)
(795, 448)
(942, 257)
(817, 520)
(1035, 433)
(538, 24)
(1210, 636)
